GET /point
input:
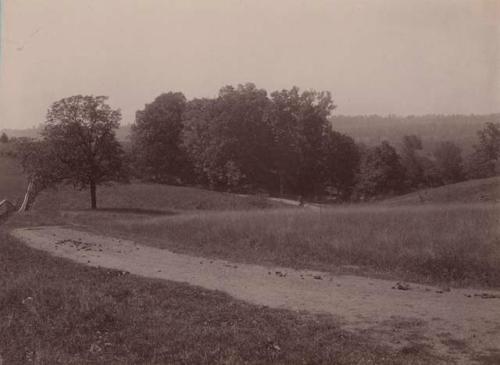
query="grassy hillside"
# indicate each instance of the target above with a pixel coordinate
(149, 198)
(472, 191)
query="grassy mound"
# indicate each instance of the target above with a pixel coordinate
(472, 191)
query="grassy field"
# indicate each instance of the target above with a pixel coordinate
(57, 312)
(457, 245)
(454, 244)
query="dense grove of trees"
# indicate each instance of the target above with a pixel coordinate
(283, 142)
(243, 140)
(4, 138)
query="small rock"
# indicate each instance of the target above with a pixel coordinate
(401, 286)
(317, 277)
(487, 296)
(95, 348)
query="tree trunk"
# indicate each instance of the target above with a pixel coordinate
(25, 204)
(93, 197)
(282, 183)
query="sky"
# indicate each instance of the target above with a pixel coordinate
(374, 56)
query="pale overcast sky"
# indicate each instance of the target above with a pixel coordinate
(375, 56)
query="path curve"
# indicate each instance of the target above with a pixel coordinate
(459, 324)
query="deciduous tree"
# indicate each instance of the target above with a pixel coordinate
(449, 163)
(80, 132)
(381, 172)
(156, 139)
(4, 138)
(482, 162)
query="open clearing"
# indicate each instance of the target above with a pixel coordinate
(249, 245)
(461, 324)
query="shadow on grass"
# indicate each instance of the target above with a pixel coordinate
(135, 211)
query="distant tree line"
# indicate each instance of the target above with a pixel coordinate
(243, 140)
(248, 140)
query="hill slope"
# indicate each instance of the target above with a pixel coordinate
(472, 191)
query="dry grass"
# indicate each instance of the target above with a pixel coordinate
(454, 244)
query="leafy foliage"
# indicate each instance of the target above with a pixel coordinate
(300, 137)
(482, 162)
(381, 172)
(156, 144)
(80, 132)
(4, 138)
(40, 166)
(449, 162)
(410, 160)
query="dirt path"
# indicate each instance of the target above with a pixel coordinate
(458, 324)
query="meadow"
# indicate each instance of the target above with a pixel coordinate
(457, 245)
(446, 241)
(78, 314)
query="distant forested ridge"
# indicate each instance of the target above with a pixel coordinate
(432, 129)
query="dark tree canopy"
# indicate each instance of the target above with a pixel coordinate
(300, 131)
(228, 138)
(449, 163)
(245, 140)
(483, 161)
(411, 161)
(4, 138)
(156, 139)
(80, 131)
(342, 158)
(40, 165)
(381, 172)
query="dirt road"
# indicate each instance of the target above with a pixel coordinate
(459, 324)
